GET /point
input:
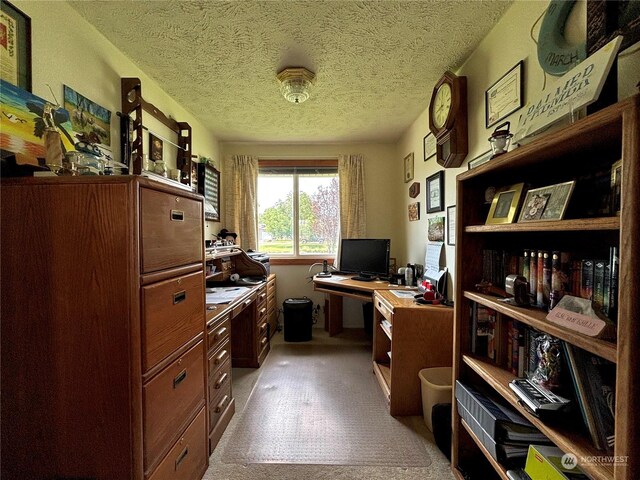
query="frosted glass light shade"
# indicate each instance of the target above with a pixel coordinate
(295, 83)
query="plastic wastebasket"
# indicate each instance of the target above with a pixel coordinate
(436, 388)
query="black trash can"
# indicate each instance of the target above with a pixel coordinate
(298, 320)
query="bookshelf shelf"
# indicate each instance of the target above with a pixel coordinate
(536, 318)
(502, 472)
(386, 330)
(579, 224)
(565, 437)
(586, 152)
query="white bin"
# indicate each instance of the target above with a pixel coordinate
(436, 388)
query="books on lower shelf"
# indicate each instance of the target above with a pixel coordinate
(550, 463)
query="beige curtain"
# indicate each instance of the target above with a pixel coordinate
(241, 183)
(353, 217)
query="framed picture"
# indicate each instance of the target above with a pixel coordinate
(546, 203)
(505, 96)
(435, 231)
(89, 120)
(15, 47)
(408, 168)
(429, 146)
(451, 225)
(480, 159)
(155, 148)
(505, 204)
(414, 189)
(435, 192)
(414, 211)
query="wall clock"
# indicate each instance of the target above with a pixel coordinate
(448, 119)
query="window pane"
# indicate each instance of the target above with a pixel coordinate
(275, 214)
(318, 215)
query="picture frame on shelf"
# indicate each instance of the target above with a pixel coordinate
(408, 168)
(414, 211)
(505, 96)
(429, 146)
(546, 203)
(479, 160)
(504, 205)
(451, 225)
(16, 59)
(435, 192)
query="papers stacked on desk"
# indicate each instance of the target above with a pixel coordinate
(224, 294)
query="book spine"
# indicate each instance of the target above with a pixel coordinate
(557, 287)
(532, 355)
(586, 279)
(533, 273)
(540, 279)
(515, 344)
(525, 265)
(598, 283)
(613, 284)
(509, 352)
(546, 279)
(576, 272)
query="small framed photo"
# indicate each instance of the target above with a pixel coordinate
(505, 204)
(408, 168)
(435, 192)
(429, 146)
(546, 203)
(479, 160)
(15, 28)
(505, 96)
(414, 211)
(451, 225)
(155, 148)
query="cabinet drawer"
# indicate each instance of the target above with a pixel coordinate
(219, 356)
(261, 316)
(384, 308)
(219, 379)
(187, 459)
(218, 332)
(173, 314)
(170, 398)
(218, 404)
(262, 328)
(246, 303)
(171, 230)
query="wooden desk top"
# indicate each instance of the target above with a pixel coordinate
(343, 285)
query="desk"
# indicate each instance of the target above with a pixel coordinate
(338, 286)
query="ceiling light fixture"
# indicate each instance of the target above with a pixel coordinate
(295, 83)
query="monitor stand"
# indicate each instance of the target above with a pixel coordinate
(363, 277)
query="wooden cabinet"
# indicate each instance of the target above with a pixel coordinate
(576, 152)
(102, 327)
(272, 304)
(407, 338)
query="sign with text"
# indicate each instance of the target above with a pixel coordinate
(576, 89)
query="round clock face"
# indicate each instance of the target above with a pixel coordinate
(441, 105)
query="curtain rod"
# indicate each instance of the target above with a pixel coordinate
(296, 157)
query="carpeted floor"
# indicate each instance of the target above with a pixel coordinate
(241, 448)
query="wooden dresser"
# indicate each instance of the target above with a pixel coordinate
(103, 329)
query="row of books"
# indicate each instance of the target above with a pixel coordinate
(552, 274)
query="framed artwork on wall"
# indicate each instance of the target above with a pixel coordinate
(429, 146)
(505, 96)
(408, 168)
(15, 57)
(435, 192)
(451, 225)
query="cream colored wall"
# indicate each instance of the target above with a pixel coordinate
(382, 165)
(507, 43)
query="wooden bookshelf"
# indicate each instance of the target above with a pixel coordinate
(584, 148)
(502, 472)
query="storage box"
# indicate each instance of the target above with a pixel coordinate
(545, 463)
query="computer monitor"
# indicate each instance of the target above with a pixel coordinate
(368, 257)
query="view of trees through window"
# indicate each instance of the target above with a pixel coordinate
(298, 213)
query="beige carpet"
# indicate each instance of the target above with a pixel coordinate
(320, 404)
(244, 381)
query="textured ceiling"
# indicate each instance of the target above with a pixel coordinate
(375, 61)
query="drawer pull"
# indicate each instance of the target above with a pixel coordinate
(220, 333)
(221, 380)
(179, 297)
(264, 340)
(221, 356)
(263, 327)
(181, 457)
(177, 215)
(263, 296)
(179, 378)
(248, 302)
(263, 310)
(222, 403)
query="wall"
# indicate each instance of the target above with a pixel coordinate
(67, 50)
(507, 43)
(382, 204)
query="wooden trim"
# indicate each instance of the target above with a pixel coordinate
(300, 261)
(320, 162)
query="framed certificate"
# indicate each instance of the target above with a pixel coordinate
(505, 96)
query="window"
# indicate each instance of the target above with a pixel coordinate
(298, 208)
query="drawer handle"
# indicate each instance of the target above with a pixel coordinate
(181, 457)
(177, 215)
(248, 302)
(263, 296)
(222, 403)
(221, 380)
(263, 310)
(263, 327)
(219, 333)
(264, 340)
(179, 378)
(221, 356)
(179, 297)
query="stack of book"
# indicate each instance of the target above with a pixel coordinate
(504, 432)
